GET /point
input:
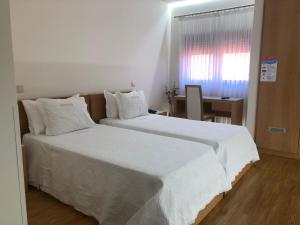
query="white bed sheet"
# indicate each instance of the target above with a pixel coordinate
(233, 145)
(125, 177)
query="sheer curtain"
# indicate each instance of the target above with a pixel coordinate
(215, 52)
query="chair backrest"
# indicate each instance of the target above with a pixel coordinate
(194, 102)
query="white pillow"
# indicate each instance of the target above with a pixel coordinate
(132, 105)
(35, 117)
(111, 105)
(65, 115)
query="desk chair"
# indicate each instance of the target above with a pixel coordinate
(194, 104)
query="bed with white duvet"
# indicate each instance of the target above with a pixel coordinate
(125, 177)
(233, 145)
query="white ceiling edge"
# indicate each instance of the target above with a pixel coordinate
(177, 8)
(170, 1)
(200, 1)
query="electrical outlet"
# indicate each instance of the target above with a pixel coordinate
(132, 84)
(20, 89)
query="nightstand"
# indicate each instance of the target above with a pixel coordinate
(25, 168)
(163, 113)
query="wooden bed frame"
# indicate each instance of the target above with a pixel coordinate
(97, 110)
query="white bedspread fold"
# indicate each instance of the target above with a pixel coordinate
(124, 177)
(233, 145)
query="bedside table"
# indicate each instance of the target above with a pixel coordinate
(25, 168)
(163, 113)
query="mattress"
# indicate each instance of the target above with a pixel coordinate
(233, 145)
(125, 177)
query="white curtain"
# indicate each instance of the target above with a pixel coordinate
(215, 52)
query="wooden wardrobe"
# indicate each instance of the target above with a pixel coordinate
(279, 102)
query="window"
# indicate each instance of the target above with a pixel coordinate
(201, 67)
(214, 52)
(236, 66)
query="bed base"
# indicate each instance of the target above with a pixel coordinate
(242, 174)
(203, 213)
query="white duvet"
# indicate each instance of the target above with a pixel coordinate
(125, 177)
(233, 145)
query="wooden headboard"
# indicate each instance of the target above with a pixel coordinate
(24, 120)
(98, 110)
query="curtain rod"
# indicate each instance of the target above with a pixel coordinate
(214, 11)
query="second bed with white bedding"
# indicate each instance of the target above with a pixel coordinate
(125, 177)
(233, 145)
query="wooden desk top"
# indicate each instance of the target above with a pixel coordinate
(211, 99)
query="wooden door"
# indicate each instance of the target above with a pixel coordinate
(278, 102)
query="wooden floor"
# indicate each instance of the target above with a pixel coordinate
(269, 194)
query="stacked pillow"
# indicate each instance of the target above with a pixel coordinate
(35, 117)
(125, 105)
(111, 105)
(57, 116)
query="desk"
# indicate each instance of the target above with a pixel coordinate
(232, 108)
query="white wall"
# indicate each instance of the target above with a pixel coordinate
(12, 197)
(67, 46)
(255, 66)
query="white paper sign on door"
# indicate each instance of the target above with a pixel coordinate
(269, 70)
